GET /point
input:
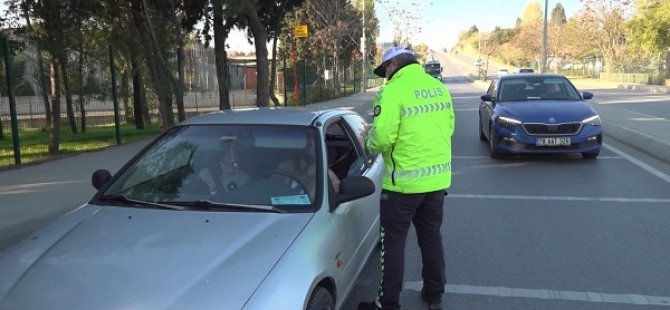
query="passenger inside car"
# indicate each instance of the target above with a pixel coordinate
(511, 91)
(217, 171)
(552, 91)
(303, 166)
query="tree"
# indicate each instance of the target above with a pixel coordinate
(558, 15)
(272, 15)
(251, 10)
(555, 39)
(649, 29)
(532, 12)
(529, 40)
(574, 39)
(421, 51)
(605, 21)
(336, 30)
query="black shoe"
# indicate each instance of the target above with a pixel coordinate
(434, 302)
(368, 305)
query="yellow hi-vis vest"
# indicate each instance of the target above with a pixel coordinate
(412, 128)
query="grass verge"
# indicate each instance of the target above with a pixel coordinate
(34, 143)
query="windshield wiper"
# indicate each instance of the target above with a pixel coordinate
(129, 201)
(210, 205)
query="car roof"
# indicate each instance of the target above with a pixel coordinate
(431, 62)
(521, 75)
(265, 116)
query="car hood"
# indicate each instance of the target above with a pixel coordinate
(124, 258)
(541, 111)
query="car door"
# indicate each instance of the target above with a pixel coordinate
(357, 221)
(486, 107)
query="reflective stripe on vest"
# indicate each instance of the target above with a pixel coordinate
(420, 172)
(424, 108)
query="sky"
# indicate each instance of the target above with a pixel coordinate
(444, 19)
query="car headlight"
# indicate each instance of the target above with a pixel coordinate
(593, 121)
(506, 121)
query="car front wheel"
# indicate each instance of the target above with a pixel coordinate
(590, 155)
(321, 299)
(482, 137)
(493, 148)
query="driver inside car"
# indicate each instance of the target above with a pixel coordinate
(304, 167)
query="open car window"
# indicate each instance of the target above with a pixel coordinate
(227, 164)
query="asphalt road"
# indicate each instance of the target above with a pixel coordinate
(540, 232)
(547, 232)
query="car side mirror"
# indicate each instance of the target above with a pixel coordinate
(100, 177)
(587, 95)
(354, 187)
(487, 98)
(441, 69)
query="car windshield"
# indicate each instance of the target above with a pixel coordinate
(536, 88)
(226, 165)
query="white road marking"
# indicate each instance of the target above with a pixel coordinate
(30, 187)
(489, 157)
(638, 163)
(500, 291)
(563, 198)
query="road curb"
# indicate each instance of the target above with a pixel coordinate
(646, 88)
(637, 140)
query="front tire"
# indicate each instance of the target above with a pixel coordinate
(493, 148)
(321, 299)
(482, 136)
(590, 155)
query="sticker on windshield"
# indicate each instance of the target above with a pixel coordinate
(291, 200)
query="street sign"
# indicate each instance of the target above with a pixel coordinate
(300, 31)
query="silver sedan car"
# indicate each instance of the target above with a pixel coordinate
(247, 209)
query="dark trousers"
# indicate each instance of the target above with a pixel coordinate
(396, 212)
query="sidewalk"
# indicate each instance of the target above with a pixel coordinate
(34, 195)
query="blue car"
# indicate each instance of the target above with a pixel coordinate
(538, 113)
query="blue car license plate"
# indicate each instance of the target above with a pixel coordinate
(558, 141)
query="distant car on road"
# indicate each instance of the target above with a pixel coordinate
(502, 72)
(525, 70)
(205, 217)
(538, 113)
(434, 69)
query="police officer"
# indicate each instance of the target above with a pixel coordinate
(412, 128)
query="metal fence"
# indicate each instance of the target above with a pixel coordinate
(87, 107)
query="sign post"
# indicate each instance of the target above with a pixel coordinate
(299, 31)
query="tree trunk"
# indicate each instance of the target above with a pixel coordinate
(336, 71)
(221, 57)
(154, 60)
(273, 73)
(80, 81)
(125, 96)
(41, 76)
(43, 86)
(137, 90)
(69, 105)
(164, 101)
(54, 135)
(179, 88)
(262, 68)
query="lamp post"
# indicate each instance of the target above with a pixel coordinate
(363, 46)
(543, 65)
